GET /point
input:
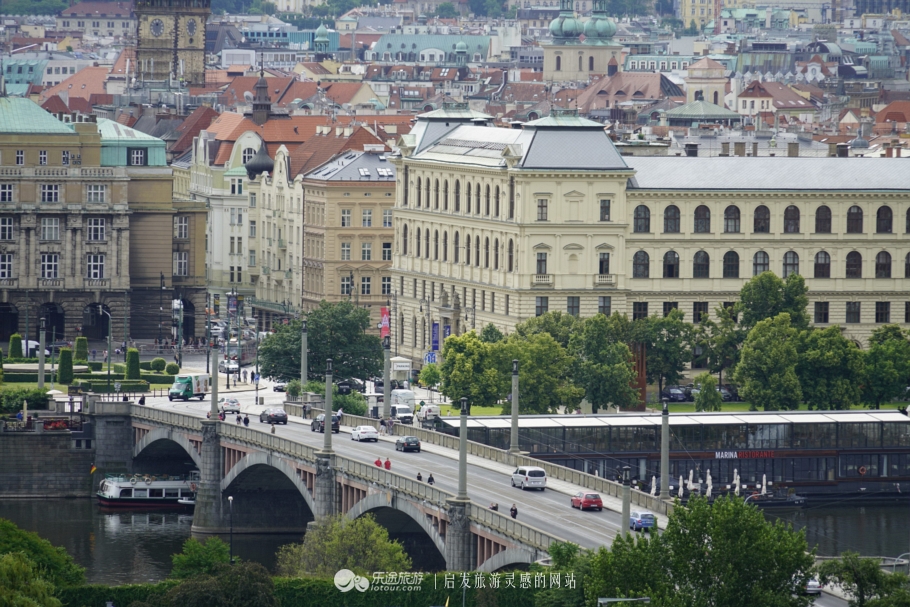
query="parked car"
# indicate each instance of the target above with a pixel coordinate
(228, 366)
(274, 415)
(280, 386)
(407, 443)
(344, 388)
(641, 519)
(691, 393)
(356, 384)
(673, 395)
(362, 433)
(813, 586)
(725, 394)
(733, 390)
(582, 500)
(318, 424)
(229, 405)
(529, 477)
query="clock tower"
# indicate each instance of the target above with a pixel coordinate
(171, 40)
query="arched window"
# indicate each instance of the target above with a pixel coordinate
(467, 198)
(428, 191)
(791, 220)
(883, 265)
(558, 63)
(701, 265)
(791, 263)
(417, 241)
(404, 239)
(247, 155)
(641, 265)
(477, 198)
(760, 263)
(467, 249)
(854, 265)
(414, 331)
(591, 64)
(855, 220)
(496, 202)
(486, 252)
(731, 264)
(458, 196)
(455, 251)
(426, 240)
(445, 195)
(445, 246)
(671, 219)
(883, 220)
(436, 194)
(762, 223)
(419, 191)
(512, 254)
(731, 220)
(496, 254)
(477, 251)
(702, 220)
(486, 205)
(823, 220)
(671, 264)
(642, 219)
(822, 265)
(436, 245)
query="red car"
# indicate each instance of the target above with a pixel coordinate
(582, 500)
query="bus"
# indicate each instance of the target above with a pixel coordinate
(243, 352)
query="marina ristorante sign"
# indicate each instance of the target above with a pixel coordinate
(743, 454)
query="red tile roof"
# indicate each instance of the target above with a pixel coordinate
(55, 105)
(896, 111)
(109, 9)
(320, 148)
(86, 82)
(198, 121)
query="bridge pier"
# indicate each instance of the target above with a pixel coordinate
(324, 486)
(210, 515)
(460, 544)
(113, 430)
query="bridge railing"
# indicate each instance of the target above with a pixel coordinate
(169, 418)
(266, 441)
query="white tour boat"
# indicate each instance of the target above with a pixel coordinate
(148, 491)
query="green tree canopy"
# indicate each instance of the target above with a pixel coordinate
(887, 333)
(830, 369)
(244, 584)
(720, 341)
(667, 339)
(864, 581)
(56, 565)
(474, 369)
(887, 370)
(604, 365)
(544, 373)
(560, 326)
(446, 10)
(336, 542)
(430, 375)
(490, 334)
(708, 398)
(766, 296)
(199, 558)
(22, 583)
(766, 372)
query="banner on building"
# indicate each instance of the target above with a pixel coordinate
(384, 328)
(435, 337)
(446, 331)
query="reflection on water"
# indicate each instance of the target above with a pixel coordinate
(122, 547)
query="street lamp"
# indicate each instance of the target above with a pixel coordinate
(231, 502)
(110, 333)
(160, 310)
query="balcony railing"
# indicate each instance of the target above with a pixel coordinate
(282, 244)
(605, 280)
(50, 283)
(266, 270)
(8, 282)
(288, 274)
(545, 280)
(97, 282)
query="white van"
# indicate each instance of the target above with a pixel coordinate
(428, 412)
(529, 477)
(404, 397)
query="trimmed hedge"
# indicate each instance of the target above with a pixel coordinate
(65, 368)
(158, 364)
(132, 363)
(95, 365)
(158, 380)
(119, 368)
(100, 386)
(81, 348)
(22, 377)
(95, 376)
(15, 346)
(21, 360)
(172, 369)
(96, 594)
(145, 365)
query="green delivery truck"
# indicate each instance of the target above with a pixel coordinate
(186, 387)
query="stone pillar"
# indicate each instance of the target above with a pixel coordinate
(40, 353)
(213, 410)
(304, 369)
(665, 453)
(324, 486)
(386, 377)
(459, 545)
(626, 501)
(327, 420)
(113, 437)
(209, 515)
(513, 445)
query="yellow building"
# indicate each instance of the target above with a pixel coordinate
(567, 59)
(700, 11)
(171, 40)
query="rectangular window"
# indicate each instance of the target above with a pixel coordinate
(64, 158)
(137, 157)
(20, 157)
(541, 263)
(240, 245)
(603, 263)
(366, 218)
(386, 285)
(42, 157)
(605, 210)
(95, 193)
(50, 228)
(252, 200)
(233, 216)
(907, 312)
(97, 228)
(364, 285)
(345, 251)
(231, 279)
(542, 306)
(387, 251)
(366, 251)
(6, 192)
(50, 192)
(237, 186)
(181, 228)
(669, 306)
(240, 217)
(94, 266)
(639, 310)
(605, 305)
(699, 311)
(821, 312)
(573, 305)
(542, 209)
(882, 312)
(6, 228)
(853, 312)
(252, 258)
(345, 218)
(252, 229)
(6, 265)
(182, 263)
(387, 218)
(233, 248)
(49, 265)
(346, 285)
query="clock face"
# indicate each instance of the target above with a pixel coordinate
(157, 27)
(191, 27)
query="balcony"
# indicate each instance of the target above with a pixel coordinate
(288, 274)
(97, 283)
(282, 243)
(266, 270)
(51, 172)
(605, 280)
(50, 283)
(8, 283)
(542, 280)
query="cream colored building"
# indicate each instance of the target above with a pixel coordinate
(567, 59)
(699, 11)
(551, 218)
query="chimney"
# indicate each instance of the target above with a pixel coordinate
(887, 151)
(739, 148)
(339, 130)
(692, 149)
(725, 148)
(843, 150)
(755, 149)
(896, 146)
(832, 150)
(793, 149)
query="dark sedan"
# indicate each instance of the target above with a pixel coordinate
(407, 443)
(273, 416)
(318, 424)
(673, 395)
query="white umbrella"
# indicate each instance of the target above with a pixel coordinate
(680, 486)
(736, 489)
(764, 484)
(653, 485)
(689, 485)
(708, 492)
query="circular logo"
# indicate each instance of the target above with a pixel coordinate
(346, 580)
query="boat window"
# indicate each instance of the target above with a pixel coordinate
(171, 492)
(141, 493)
(156, 492)
(187, 493)
(126, 492)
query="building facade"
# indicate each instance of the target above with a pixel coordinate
(171, 40)
(99, 19)
(551, 218)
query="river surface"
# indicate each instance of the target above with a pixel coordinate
(136, 546)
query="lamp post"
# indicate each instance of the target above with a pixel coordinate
(327, 418)
(160, 310)
(626, 500)
(304, 362)
(513, 443)
(110, 334)
(386, 378)
(463, 453)
(208, 333)
(665, 452)
(40, 352)
(231, 502)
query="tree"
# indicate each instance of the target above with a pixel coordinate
(81, 348)
(446, 10)
(766, 371)
(474, 369)
(490, 334)
(15, 346)
(708, 397)
(158, 364)
(55, 564)
(335, 330)
(199, 558)
(567, 558)
(829, 368)
(863, 580)
(720, 341)
(887, 333)
(667, 340)
(132, 364)
(353, 403)
(560, 326)
(724, 553)
(887, 370)
(65, 366)
(766, 296)
(544, 379)
(430, 376)
(240, 585)
(604, 366)
(336, 542)
(22, 583)
(172, 369)
(294, 388)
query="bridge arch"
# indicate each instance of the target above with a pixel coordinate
(508, 557)
(381, 500)
(172, 435)
(260, 458)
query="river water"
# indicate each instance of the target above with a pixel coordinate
(135, 546)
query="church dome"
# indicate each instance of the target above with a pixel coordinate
(461, 47)
(859, 143)
(591, 27)
(606, 28)
(564, 27)
(260, 163)
(322, 34)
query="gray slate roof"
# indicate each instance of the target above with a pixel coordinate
(775, 174)
(356, 166)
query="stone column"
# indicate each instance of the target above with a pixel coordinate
(327, 420)
(459, 545)
(665, 453)
(213, 410)
(513, 446)
(463, 453)
(626, 501)
(324, 486)
(208, 516)
(304, 370)
(40, 352)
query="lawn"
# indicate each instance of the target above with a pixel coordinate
(34, 384)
